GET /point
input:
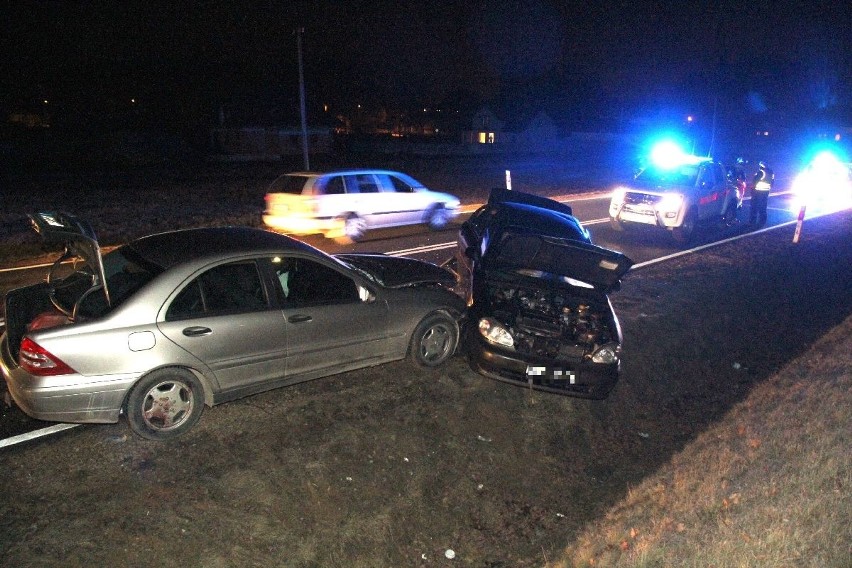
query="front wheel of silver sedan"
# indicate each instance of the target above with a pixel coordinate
(165, 404)
(434, 340)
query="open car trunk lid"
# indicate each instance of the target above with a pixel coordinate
(78, 238)
(24, 305)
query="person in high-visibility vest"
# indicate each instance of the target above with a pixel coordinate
(760, 195)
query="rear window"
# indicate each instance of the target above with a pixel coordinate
(289, 184)
(126, 272)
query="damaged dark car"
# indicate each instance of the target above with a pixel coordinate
(537, 290)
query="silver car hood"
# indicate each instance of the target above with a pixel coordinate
(398, 272)
(78, 238)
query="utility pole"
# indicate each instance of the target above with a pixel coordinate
(299, 33)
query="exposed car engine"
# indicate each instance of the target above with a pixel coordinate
(549, 323)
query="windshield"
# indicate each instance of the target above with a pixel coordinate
(685, 174)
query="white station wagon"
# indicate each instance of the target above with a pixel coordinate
(345, 204)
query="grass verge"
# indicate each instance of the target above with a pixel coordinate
(768, 485)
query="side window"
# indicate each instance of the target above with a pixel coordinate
(705, 177)
(399, 186)
(308, 283)
(367, 183)
(334, 186)
(718, 174)
(362, 183)
(228, 288)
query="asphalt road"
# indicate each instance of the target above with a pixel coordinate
(643, 248)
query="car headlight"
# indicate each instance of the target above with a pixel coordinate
(495, 333)
(670, 204)
(607, 354)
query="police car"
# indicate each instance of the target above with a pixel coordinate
(676, 195)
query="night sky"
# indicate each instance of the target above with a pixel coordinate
(582, 62)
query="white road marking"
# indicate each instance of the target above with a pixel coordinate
(36, 434)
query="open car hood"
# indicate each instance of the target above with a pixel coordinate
(78, 238)
(579, 263)
(398, 272)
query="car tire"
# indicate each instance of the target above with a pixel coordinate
(615, 224)
(729, 217)
(354, 228)
(434, 340)
(437, 218)
(683, 234)
(165, 404)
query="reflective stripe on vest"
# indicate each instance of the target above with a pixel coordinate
(762, 186)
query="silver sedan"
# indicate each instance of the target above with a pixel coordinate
(169, 323)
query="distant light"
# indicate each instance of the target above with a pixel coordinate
(689, 118)
(837, 137)
(325, 107)
(425, 110)
(44, 101)
(133, 101)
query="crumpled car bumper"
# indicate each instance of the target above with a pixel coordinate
(579, 379)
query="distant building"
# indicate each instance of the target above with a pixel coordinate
(486, 128)
(520, 133)
(269, 143)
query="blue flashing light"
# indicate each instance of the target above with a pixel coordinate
(667, 155)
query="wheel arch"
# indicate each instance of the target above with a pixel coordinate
(204, 380)
(450, 313)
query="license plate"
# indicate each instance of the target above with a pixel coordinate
(552, 374)
(638, 217)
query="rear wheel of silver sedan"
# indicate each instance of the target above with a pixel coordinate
(165, 404)
(434, 340)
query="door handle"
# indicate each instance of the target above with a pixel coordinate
(197, 331)
(299, 318)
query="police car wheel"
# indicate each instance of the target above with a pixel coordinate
(684, 233)
(615, 224)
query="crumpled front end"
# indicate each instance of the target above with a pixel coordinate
(546, 338)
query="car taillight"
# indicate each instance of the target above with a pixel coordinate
(36, 360)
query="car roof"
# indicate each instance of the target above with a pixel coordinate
(345, 171)
(175, 247)
(350, 172)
